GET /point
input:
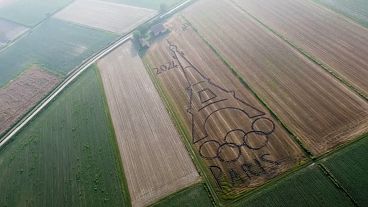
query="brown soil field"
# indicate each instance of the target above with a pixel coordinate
(104, 15)
(235, 137)
(329, 37)
(156, 162)
(9, 31)
(317, 108)
(20, 95)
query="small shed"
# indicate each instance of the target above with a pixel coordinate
(158, 29)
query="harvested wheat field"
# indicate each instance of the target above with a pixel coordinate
(240, 143)
(155, 160)
(20, 95)
(329, 37)
(113, 17)
(318, 109)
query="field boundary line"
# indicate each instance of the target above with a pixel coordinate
(330, 176)
(114, 142)
(310, 57)
(335, 75)
(301, 165)
(184, 134)
(74, 74)
(180, 191)
(356, 91)
(247, 86)
(32, 28)
(337, 149)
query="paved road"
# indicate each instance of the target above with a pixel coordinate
(71, 77)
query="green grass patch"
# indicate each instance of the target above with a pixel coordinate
(150, 4)
(56, 45)
(354, 9)
(195, 196)
(349, 167)
(67, 156)
(31, 12)
(306, 187)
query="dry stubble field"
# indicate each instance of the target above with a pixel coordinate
(318, 109)
(329, 37)
(20, 95)
(239, 142)
(155, 160)
(104, 15)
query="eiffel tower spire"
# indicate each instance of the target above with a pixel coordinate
(192, 75)
(207, 100)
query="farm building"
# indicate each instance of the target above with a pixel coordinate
(158, 29)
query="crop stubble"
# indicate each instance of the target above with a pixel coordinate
(317, 108)
(155, 160)
(211, 101)
(329, 37)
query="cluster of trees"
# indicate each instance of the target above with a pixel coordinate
(141, 31)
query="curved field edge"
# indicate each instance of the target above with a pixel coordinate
(66, 156)
(349, 166)
(193, 196)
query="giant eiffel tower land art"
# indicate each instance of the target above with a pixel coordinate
(223, 127)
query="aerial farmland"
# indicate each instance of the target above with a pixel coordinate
(194, 103)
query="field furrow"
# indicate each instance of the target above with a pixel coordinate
(155, 160)
(67, 156)
(334, 40)
(240, 144)
(318, 109)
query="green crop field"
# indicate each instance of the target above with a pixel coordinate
(195, 196)
(31, 12)
(56, 45)
(150, 4)
(67, 156)
(350, 167)
(355, 9)
(307, 187)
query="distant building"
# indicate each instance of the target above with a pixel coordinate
(158, 29)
